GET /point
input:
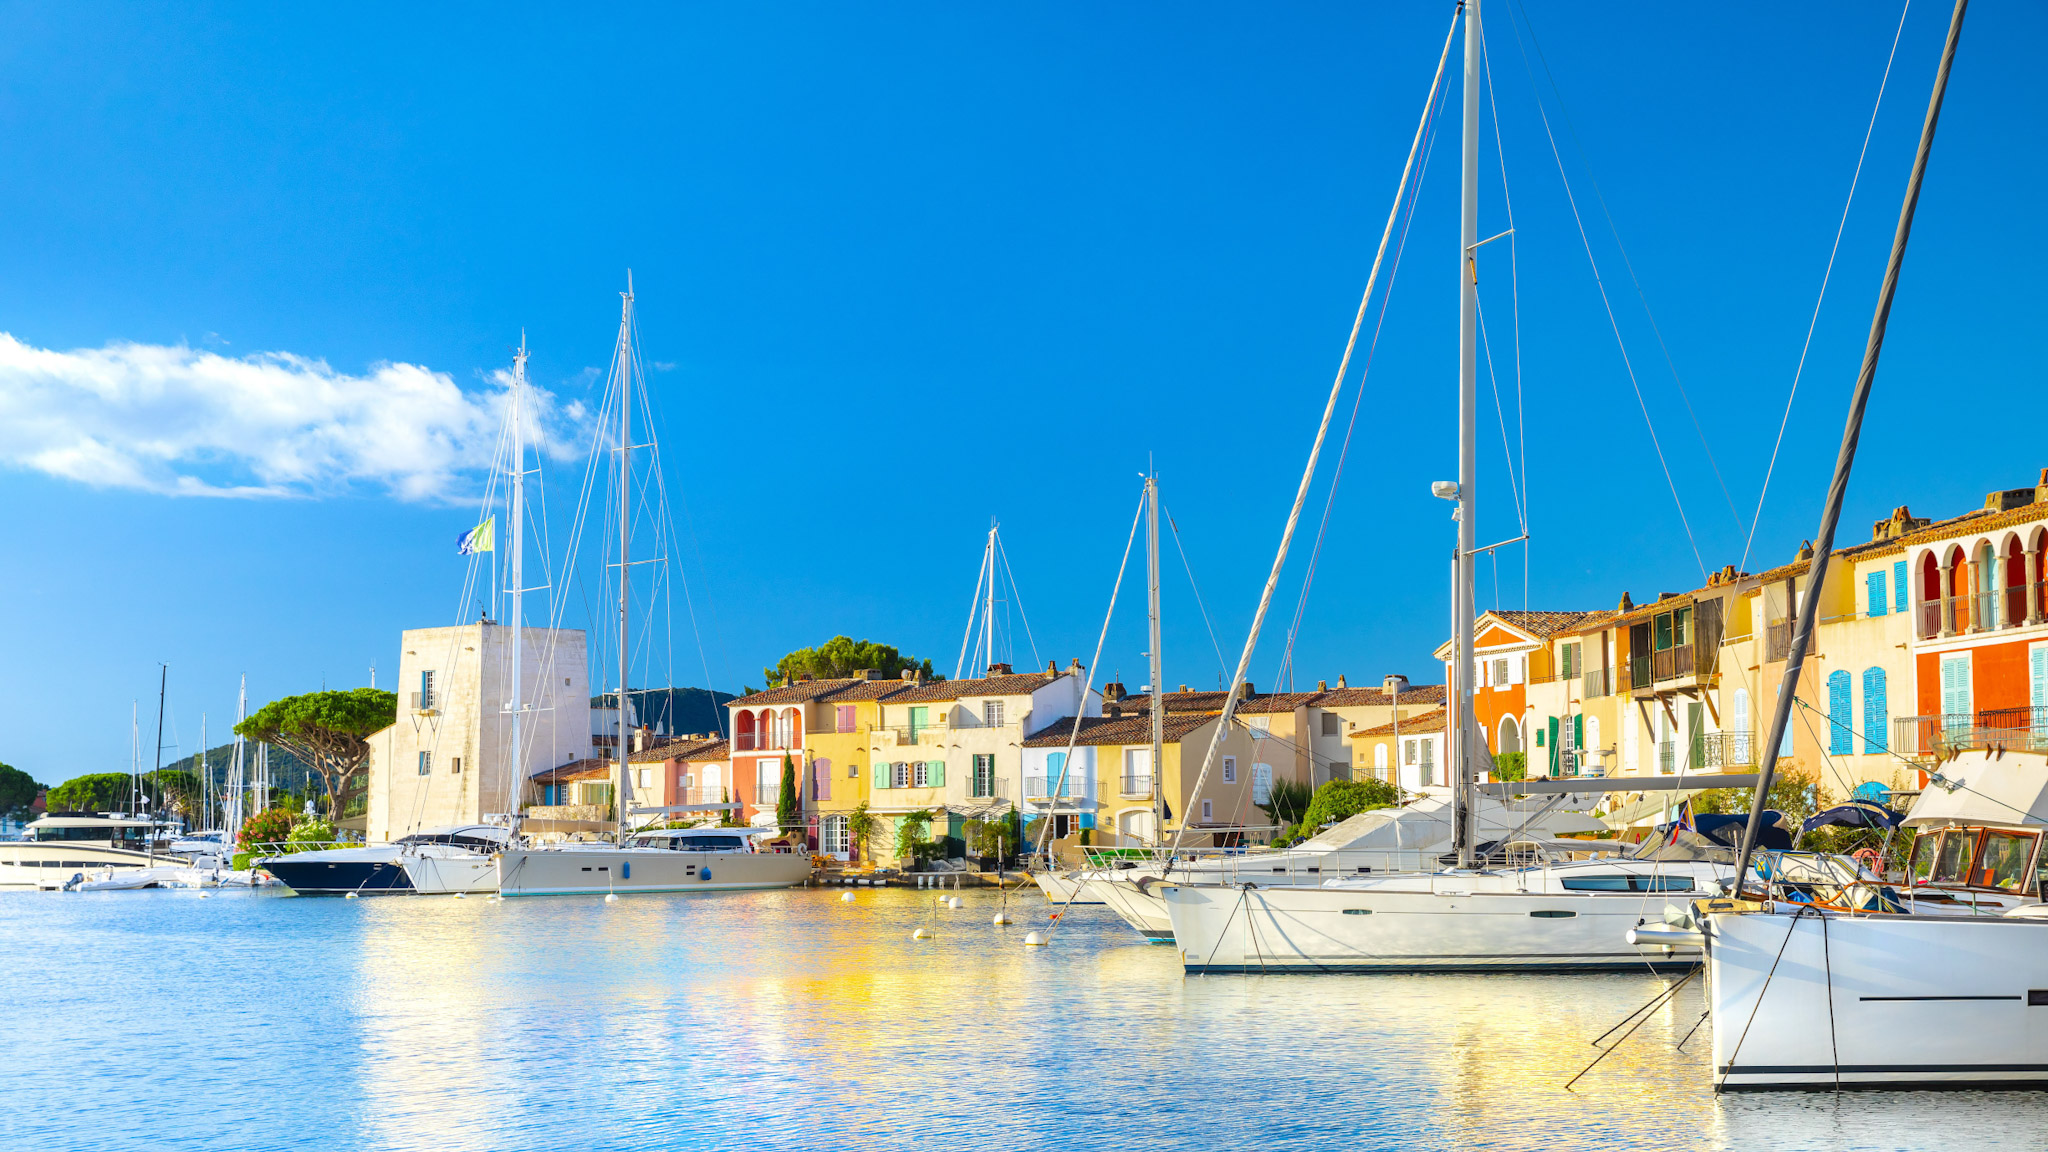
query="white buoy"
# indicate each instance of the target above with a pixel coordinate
(206, 895)
(1000, 919)
(1034, 939)
(952, 902)
(350, 896)
(920, 934)
(846, 897)
(611, 897)
(458, 895)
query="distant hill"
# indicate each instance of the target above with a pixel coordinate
(287, 773)
(673, 710)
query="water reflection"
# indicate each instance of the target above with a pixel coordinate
(250, 1020)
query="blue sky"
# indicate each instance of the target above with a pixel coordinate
(909, 267)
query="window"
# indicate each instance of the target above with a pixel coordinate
(1428, 761)
(843, 720)
(1208, 811)
(917, 774)
(2037, 680)
(985, 776)
(682, 780)
(1875, 599)
(1408, 752)
(1629, 884)
(832, 838)
(1839, 731)
(1500, 673)
(992, 714)
(1262, 783)
(1681, 627)
(853, 771)
(1333, 724)
(643, 778)
(1230, 769)
(2003, 860)
(426, 763)
(1262, 729)
(1876, 720)
(821, 779)
(1379, 760)
(454, 764)
(1955, 690)
(426, 690)
(899, 775)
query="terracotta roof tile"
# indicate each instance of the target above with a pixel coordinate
(1374, 697)
(691, 751)
(801, 692)
(1016, 684)
(1543, 624)
(1427, 722)
(1105, 730)
(587, 769)
(867, 690)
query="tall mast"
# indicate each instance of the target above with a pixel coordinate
(231, 794)
(516, 574)
(1152, 651)
(1460, 734)
(988, 608)
(624, 361)
(1845, 458)
(134, 757)
(156, 773)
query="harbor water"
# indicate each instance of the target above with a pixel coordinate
(795, 1019)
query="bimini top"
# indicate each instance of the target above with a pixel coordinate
(1999, 789)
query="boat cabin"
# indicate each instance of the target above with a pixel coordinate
(713, 839)
(1977, 832)
(105, 831)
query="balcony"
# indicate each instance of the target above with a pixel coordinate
(989, 790)
(1041, 787)
(428, 701)
(905, 735)
(767, 795)
(1597, 683)
(1134, 787)
(1988, 611)
(1777, 640)
(1939, 736)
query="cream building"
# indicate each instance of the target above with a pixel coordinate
(448, 757)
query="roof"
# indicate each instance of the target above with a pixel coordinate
(1100, 730)
(1015, 684)
(695, 751)
(1414, 725)
(1543, 625)
(1374, 697)
(801, 692)
(1275, 702)
(867, 690)
(586, 769)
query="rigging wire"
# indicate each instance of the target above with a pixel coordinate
(1017, 597)
(1643, 298)
(1826, 275)
(1251, 642)
(1199, 606)
(1514, 312)
(1627, 364)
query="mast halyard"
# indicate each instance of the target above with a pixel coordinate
(1460, 754)
(1152, 651)
(623, 779)
(515, 573)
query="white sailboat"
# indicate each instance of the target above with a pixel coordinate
(1473, 916)
(648, 862)
(1819, 994)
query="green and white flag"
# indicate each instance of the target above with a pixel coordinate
(482, 538)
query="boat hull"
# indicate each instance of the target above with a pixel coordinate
(315, 877)
(1139, 904)
(624, 871)
(1894, 1002)
(470, 874)
(27, 865)
(1063, 887)
(1343, 930)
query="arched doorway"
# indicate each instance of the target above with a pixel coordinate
(1510, 739)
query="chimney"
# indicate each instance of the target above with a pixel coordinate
(2041, 489)
(1113, 691)
(1248, 692)
(999, 670)
(1340, 681)
(806, 678)
(1626, 605)
(1805, 551)
(2009, 499)
(1075, 667)
(1393, 686)
(1183, 689)
(1322, 685)
(1052, 668)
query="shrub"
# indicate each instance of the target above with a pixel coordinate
(1343, 799)
(914, 837)
(269, 826)
(1287, 802)
(1509, 766)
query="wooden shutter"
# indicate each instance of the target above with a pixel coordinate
(935, 774)
(1876, 719)
(881, 774)
(1552, 728)
(2037, 668)
(1899, 589)
(1579, 730)
(1838, 713)
(1876, 582)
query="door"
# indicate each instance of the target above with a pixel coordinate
(1134, 828)
(2037, 673)
(920, 719)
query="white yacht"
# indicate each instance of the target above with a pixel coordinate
(709, 859)
(378, 869)
(60, 845)
(1412, 838)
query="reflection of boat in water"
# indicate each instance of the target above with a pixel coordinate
(59, 845)
(658, 860)
(380, 868)
(1407, 839)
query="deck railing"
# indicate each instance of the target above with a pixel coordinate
(1137, 787)
(1944, 734)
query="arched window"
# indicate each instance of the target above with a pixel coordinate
(1876, 720)
(745, 734)
(1379, 761)
(1930, 596)
(1840, 718)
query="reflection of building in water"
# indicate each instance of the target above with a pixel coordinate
(447, 758)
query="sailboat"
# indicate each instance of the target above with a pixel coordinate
(1546, 917)
(1809, 993)
(655, 860)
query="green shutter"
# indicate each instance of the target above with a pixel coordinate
(935, 774)
(1553, 745)
(881, 774)
(1579, 730)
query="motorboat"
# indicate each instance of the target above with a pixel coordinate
(704, 859)
(1412, 838)
(61, 844)
(210, 849)
(462, 860)
(379, 869)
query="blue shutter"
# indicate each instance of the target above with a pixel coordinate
(1876, 723)
(1899, 590)
(1839, 719)
(1054, 762)
(1876, 581)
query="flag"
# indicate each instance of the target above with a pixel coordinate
(482, 538)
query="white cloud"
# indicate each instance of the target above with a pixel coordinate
(184, 422)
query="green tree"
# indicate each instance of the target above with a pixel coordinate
(731, 816)
(788, 811)
(1286, 803)
(18, 789)
(997, 838)
(329, 731)
(861, 826)
(842, 656)
(98, 792)
(914, 836)
(1343, 799)
(1511, 766)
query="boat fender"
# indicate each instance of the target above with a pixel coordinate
(626, 870)
(704, 874)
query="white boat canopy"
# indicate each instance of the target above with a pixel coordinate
(1997, 789)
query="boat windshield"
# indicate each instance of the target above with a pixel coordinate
(116, 834)
(2003, 862)
(1683, 846)
(455, 840)
(691, 843)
